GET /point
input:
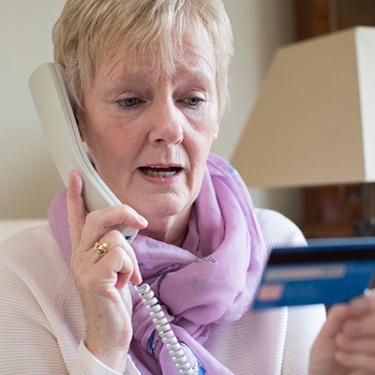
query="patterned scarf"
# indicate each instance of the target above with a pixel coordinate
(211, 279)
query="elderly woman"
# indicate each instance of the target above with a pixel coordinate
(149, 82)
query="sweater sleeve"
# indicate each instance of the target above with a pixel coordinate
(303, 325)
(88, 364)
(27, 344)
(303, 322)
(41, 323)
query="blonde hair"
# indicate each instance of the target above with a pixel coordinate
(89, 30)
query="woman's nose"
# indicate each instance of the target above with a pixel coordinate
(167, 125)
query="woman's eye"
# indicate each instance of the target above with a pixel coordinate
(193, 101)
(128, 102)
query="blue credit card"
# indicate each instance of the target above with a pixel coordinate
(324, 272)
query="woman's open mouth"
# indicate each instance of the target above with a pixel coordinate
(160, 171)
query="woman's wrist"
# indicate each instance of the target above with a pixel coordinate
(113, 358)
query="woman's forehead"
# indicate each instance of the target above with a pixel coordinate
(188, 56)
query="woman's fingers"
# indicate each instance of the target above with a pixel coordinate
(102, 271)
(120, 259)
(76, 208)
(346, 343)
(356, 340)
(86, 227)
(360, 362)
(85, 230)
(363, 305)
(335, 319)
(350, 344)
(99, 222)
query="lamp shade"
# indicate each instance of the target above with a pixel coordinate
(314, 120)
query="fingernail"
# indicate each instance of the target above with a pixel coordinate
(142, 220)
(139, 276)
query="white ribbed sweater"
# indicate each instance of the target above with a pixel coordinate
(42, 324)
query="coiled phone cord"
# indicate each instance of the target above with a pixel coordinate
(164, 329)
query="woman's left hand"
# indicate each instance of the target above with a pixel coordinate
(346, 343)
(101, 277)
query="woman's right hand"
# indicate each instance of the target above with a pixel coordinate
(346, 343)
(102, 280)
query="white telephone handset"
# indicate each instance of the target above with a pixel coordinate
(48, 88)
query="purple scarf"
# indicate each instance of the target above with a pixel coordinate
(211, 279)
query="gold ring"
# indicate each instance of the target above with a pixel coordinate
(100, 249)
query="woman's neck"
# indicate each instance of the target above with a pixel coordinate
(171, 230)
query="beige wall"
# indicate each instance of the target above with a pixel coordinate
(28, 177)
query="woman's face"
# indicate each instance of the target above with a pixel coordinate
(150, 133)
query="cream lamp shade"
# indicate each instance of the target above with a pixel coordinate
(314, 120)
